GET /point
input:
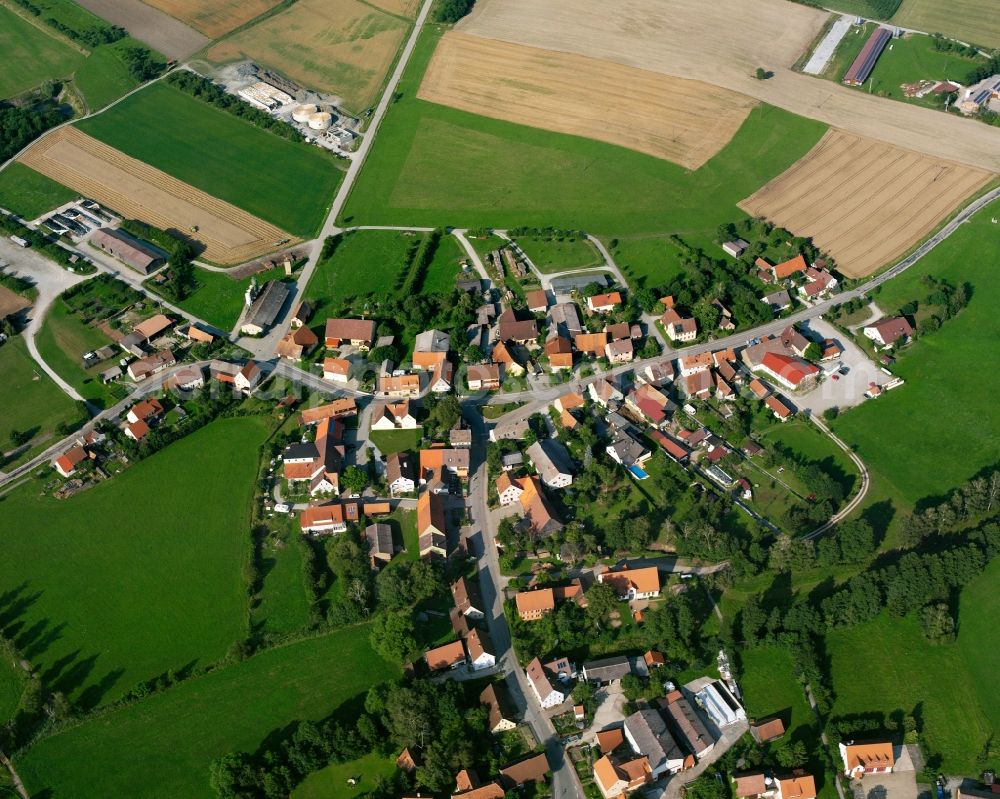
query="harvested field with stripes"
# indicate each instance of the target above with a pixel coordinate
(137, 190)
(214, 18)
(683, 121)
(865, 202)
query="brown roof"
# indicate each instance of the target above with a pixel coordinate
(147, 408)
(400, 383)
(537, 509)
(350, 329)
(490, 790)
(571, 400)
(153, 326)
(495, 698)
(332, 513)
(195, 333)
(444, 657)
(601, 300)
(778, 407)
(537, 299)
(609, 740)
(542, 599)
(337, 366)
(606, 774)
(340, 407)
(790, 267)
(466, 596)
(532, 769)
(801, 786)
(428, 360)
(430, 513)
(399, 464)
(646, 580)
(449, 457)
(654, 658)
(869, 755)
(405, 761)
(69, 460)
(769, 730)
(591, 342)
(892, 329)
(619, 331)
(750, 785)
(483, 372)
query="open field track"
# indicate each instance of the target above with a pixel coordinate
(865, 202)
(345, 47)
(149, 25)
(214, 18)
(974, 21)
(683, 121)
(401, 8)
(723, 43)
(139, 191)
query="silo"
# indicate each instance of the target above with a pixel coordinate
(301, 113)
(321, 120)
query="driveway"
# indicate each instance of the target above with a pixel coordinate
(848, 390)
(898, 785)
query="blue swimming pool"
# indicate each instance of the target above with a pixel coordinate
(638, 473)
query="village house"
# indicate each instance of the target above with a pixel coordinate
(619, 351)
(777, 301)
(337, 370)
(437, 462)
(468, 786)
(338, 409)
(780, 410)
(323, 519)
(431, 525)
(534, 604)
(539, 514)
(564, 320)
(604, 392)
(511, 430)
(647, 734)
(616, 777)
(187, 378)
(651, 404)
(532, 769)
(604, 303)
(657, 374)
(316, 463)
(195, 332)
(818, 283)
(752, 786)
(301, 314)
(559, 351)
(767, 730)
(592, 344)
(359, 333)
(482, 654)
(799, 786)
(508, 490)
(698, 385)
(541, 677)
(400, 473)
(465, 594)
(442, 377)
(606, 670)
(687, 725)
(449, 656)
(393, 416)
(399, 385)
(627, 450)
(502, 355)
(248, 377)
(693, 364)
(483, 377)
(498, 708)
(889, 331)
(870, 757)
(792, 373)
(787, 269)
(552, 462)
(521, 331)
(719, 703)
(66, 463)
(297, 343)
(537, 301)
(631, 584)
(150, 365)
(570, 401)
(677, 327)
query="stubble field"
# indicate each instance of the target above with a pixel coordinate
(139, 191)
(973, 21)
(160, 31)
(215, 17)
(723, 43)
(683, 121)
(863, 201)
(340, 46)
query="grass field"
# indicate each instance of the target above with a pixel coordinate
(771, 689)
(366, 262)
(341, 46)
(506, 175)
(647, 259)
(902, 671)
(445, 266)
(104, 76)
(32, 55)
(810, 443)
(943, 399)
(558, 255)
(31, 402)
(30, 194)
(390, 441)
(977, 639)
(62, 341)
(283, 607)
(138, 575)
(870, 9)
(219, 299)
(331, 782)
(11, 687)
(973, 21)
(287, 184)
(163, 746)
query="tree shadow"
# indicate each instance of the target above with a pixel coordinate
(778, 593)
(92, 695)
(879, 515)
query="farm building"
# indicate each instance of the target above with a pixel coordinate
(865, 62)
(264, 96)
(130, 251)
(265, 308)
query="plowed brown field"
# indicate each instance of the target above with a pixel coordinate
(683, 121)
(139, 191)
(863, 201)
(214, 17)
(722, 42)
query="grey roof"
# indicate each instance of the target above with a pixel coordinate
(512, 459)
(608, 669)
(628, 449)
(268, 304)
(135, 252)
(689, 726)
(564, 285)
(564, 320)
(779, 298)
(649, 731)
(432, 341)
(550, 459)
(304, 449)
(379, 539)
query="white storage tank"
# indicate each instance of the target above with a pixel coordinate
(321, 120)
(301, 113)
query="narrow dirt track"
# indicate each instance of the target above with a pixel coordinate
(723, 43)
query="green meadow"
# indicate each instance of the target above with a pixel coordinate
(29, 193)
(286, 183)
(30, 54)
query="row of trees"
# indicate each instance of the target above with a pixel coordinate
(91, 36)
(205, 90)
(945, 299)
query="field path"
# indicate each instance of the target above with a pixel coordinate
(858, 498)
(723, 43)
